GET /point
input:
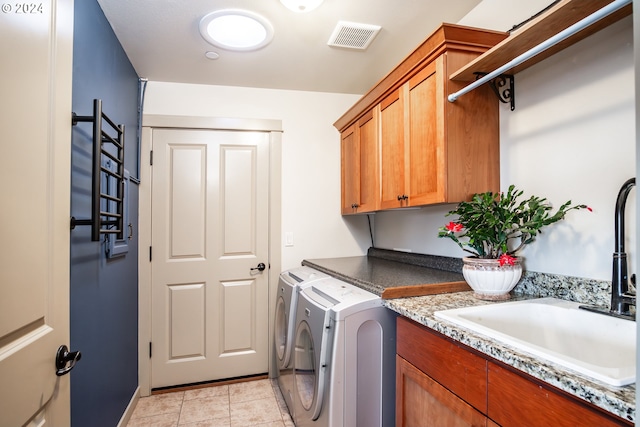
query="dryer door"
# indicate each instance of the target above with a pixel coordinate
(312, 351)
(281, 332)
(306, 375)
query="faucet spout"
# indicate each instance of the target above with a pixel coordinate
(621, 300)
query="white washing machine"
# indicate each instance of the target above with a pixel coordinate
(288, 285)
(344, 358)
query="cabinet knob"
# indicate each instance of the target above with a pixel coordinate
(403, 197)
(355, 206)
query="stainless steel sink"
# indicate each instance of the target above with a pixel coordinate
(601, 347)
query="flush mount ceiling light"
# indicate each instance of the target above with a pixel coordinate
(234, 29)
(301, 5)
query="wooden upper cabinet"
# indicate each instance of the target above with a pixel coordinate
(392, 151)
(367, 127)
(350, 169)
(426, 152)
(359, 165)
(472, 135)
(429, 150)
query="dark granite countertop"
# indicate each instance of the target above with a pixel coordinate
(392, 274)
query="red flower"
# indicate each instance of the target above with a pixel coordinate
(454, 227)
(506, 259)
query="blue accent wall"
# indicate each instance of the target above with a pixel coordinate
(104, 292)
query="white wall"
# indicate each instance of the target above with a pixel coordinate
(310, 158)
(571, 137)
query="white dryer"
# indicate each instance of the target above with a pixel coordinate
(285, 311)
(344, 358)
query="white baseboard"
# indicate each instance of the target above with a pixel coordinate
(130, 407)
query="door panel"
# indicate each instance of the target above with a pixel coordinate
(209, 229)
(35, 130)
(187, 202)
(238, 189)
(350, 169)
(186, 314)
(427, 157)
(369, 152)
(238, 326)
(392, 146)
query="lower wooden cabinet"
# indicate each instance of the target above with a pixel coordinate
(515, 401)
(440, 382)
(423, 402)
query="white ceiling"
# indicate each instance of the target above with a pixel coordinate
(162, 40)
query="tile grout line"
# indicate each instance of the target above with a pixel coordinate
(181, 406)
(272, 396)
(229, 402)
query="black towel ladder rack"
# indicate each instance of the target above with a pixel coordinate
(109, 220)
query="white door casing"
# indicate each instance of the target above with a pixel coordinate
(35, 151)
(209, 311)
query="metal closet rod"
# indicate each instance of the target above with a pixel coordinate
(562, 35)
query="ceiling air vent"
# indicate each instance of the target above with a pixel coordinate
(352, 35)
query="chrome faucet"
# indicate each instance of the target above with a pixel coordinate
(621, 298)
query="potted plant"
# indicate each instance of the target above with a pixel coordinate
(493, 228)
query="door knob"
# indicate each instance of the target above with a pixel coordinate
(64, 356)
(260, 267)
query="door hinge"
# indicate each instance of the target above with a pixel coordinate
(150, 350)
(151, 157)
(150, 256)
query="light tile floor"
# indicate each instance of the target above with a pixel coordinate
(253, 403)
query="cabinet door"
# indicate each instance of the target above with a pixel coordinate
(367, 132)
(350, 170)
(359, 165)
(442, 360)
(421, 401)
(426, 139)
(392, 151)
(518, 402)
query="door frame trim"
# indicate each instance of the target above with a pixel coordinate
(155, 121)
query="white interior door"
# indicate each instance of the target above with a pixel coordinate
(35, 146)
(210, 222)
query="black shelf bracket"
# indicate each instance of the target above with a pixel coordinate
(504, 86)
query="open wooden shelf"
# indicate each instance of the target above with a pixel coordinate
(559, 17)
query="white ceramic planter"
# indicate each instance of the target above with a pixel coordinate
(488, 279)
